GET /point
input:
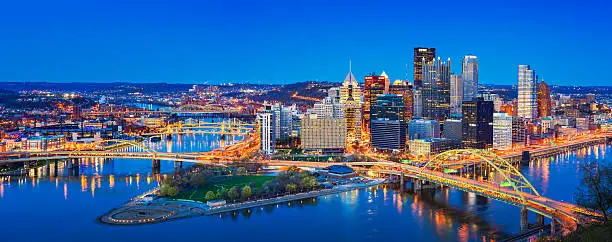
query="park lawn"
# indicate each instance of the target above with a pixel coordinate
(239, 181)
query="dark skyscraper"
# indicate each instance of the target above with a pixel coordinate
(544, 102)
(388, 124)
(373, 87)
(421, 53)
(436, 89)
(388, 134)
(389, 107)
(477, 122)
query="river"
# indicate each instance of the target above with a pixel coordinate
(66, 208)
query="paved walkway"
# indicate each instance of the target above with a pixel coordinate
(292, 197)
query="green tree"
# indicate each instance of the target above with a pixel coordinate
(309, 182)
(241, 171)
(197, 179)
(210, 195)
(234, 193)
(172, 191)
(163, 189)
(595, 190)
(246, 192)
(222, 193)
(290, 187)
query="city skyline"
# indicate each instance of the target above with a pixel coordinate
(183, 120)
(196, 42)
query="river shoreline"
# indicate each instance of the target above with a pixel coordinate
(140, 211)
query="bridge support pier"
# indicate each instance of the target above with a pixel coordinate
(539, 219)
(26, 168)
(402, 182)
(55, 168)
(553, 227)
(178, 165)
(169, 137)
(524, 219)
(420, 185)
(155, 167)
(73, 166)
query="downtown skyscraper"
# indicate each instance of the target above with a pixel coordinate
(275, 122)
(477, 122)
(544, 102)
(456, 93)
(350, 97)
(404, 89)
(469, 73)
(421, 54)
(436, 89)
(374, 86)
(527, 93)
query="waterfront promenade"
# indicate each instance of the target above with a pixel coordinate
(292, 197)
(136, 211)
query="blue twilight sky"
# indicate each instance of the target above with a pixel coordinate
(292, 40)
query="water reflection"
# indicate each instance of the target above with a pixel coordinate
(381, 213)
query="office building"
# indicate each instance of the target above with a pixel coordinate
(330, 107)
(266, 130)
(436, 89)
(527, 93)
(469, 72)
(502, 131)
(350, 97)
(544, 102)
(323, 134)
(432, 146)
(275, 123)
(388, 134)
(421, 55)
(373, 87)
(404, 89)
(43, 143)
(519, 130)
(477, 122)
(388, 106)
(77, 113)
(456, 96)
(334, 94)
(417, 107)
(419, 128)
(548, 125)
(453, 129)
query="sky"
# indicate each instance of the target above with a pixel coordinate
(210, 41)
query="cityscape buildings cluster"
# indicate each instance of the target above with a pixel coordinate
(438, 111)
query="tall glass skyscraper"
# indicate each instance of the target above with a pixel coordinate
(456, 96)
(436, 89)
(527, 93)
(420, 54)
(469, 73)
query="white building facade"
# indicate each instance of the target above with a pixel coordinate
(502, 131)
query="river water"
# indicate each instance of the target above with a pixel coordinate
(66, 208)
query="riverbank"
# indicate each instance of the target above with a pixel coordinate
(291, 197)
(147, 208)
